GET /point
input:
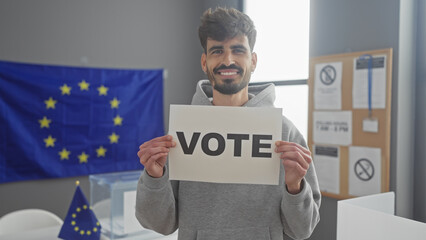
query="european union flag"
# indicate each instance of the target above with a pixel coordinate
(80, 222)
(59, 121)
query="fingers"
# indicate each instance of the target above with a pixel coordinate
(148, 153)
(163, 141)
(294, 152)
(155, 151)
(300, 171)
(155, 161)
(297, 158)
(284, 145)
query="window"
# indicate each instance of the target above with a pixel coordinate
(282, 48)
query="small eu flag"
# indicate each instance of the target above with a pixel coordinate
(80, 222)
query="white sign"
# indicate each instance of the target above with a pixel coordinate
(327, 166)
(225, 144)
(378, 83)
(364, 171)
(333, 127)
(328, 86)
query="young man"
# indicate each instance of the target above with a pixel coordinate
(230, 211)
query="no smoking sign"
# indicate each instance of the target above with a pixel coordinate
(328, 75)
(364, 169)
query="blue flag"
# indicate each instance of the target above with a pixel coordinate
(58, 121)
(80, 222)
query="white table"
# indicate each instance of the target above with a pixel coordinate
(51, 233)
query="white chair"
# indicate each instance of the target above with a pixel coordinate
(27, 219)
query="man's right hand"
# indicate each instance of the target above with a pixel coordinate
(153, 154)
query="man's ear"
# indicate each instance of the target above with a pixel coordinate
(204, 62)
(253, 61)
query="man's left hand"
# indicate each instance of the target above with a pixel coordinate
(296, 160)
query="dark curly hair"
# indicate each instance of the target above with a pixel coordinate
(224, 23)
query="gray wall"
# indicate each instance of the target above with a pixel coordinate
(420, 149)
(99, 33)
(339, 26)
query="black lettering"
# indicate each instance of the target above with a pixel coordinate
(183, 143)
(220, 144)
(237, 142)
(257, 145)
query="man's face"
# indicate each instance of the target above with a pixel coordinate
(229, 64)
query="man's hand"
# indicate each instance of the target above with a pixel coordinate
(153, 154)
(296, 160)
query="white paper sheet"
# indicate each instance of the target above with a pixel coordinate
(131, 224)
(370, 125)
(360, 83)
(328, 86)
(234, 161)
(332, 127)
(364, 171)
(327, 166)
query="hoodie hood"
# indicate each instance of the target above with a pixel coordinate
(259, 95)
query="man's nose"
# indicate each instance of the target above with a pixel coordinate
(228, 58)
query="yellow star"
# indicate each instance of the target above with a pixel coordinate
(118, 120)
(95, 229)
(101, 151)
(84, 85)
(76, 229)
(83, 159)
(64, 154)
(44, 122)
(65, 89)
(50, 103)
(81, 232)
(102, 90)
(113, 138)
(50, 142)
(114, 103)
(88, 232)
(73, 223)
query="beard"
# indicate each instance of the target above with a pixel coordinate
(229, 86)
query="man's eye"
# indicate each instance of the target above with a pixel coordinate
(217, 52)
(239, 51)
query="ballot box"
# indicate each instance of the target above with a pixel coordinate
(113, 200)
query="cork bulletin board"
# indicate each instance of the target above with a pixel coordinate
(349, 122)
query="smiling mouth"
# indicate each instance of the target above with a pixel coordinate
(228, 71)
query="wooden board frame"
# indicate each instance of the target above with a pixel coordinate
(359, 137)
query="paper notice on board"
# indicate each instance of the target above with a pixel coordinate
(360, 83)
(332, 127)
(327, 167)
(364, 171)
(328, 86)
(225, 144)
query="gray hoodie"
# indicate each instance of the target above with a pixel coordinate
(207, 211)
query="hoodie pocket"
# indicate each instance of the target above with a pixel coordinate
(252, 233)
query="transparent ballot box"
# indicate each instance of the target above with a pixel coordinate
(113, 200)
